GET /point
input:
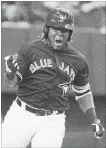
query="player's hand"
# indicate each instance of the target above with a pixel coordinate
(98, 129)
(11, 64)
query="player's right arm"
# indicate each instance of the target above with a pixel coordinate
(15, 66)
(11, 68)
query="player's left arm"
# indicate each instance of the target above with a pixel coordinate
(84, 97)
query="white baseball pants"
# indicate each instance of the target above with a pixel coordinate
(21, 127)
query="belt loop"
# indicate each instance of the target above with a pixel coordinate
(17, 98)
(54, 112)
(23, 105)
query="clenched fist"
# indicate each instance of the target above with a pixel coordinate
(11, 64)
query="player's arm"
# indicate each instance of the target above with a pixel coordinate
(12, 75)
(16, 66)
(84, 97)
(10, 79)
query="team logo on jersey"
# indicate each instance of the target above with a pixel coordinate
(65, 87)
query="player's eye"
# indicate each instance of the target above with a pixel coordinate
(62, 30)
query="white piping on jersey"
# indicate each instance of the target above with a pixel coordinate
(80, 89)
(19, 74)
(78, 97)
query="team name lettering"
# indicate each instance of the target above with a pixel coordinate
(41, 64)
(68, 70)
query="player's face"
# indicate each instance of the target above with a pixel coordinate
(58, 37)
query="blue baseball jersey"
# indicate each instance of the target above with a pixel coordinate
(45, 75)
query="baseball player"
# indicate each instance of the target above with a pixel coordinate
(44, 71)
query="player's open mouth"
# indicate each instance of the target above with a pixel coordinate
(58, 42)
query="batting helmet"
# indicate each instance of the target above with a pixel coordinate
(61, 18)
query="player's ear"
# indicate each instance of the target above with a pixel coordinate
(70, 35)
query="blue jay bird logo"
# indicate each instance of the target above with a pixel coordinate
(65, 87)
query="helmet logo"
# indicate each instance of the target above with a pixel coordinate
(67, 26)
(61, 17)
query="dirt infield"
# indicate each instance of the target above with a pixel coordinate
(83, 140)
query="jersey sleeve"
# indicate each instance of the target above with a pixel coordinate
(23, 60)
(81, 86)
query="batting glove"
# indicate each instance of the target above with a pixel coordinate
(98, 129)
(11, 64)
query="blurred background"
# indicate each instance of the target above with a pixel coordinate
(22, 21)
